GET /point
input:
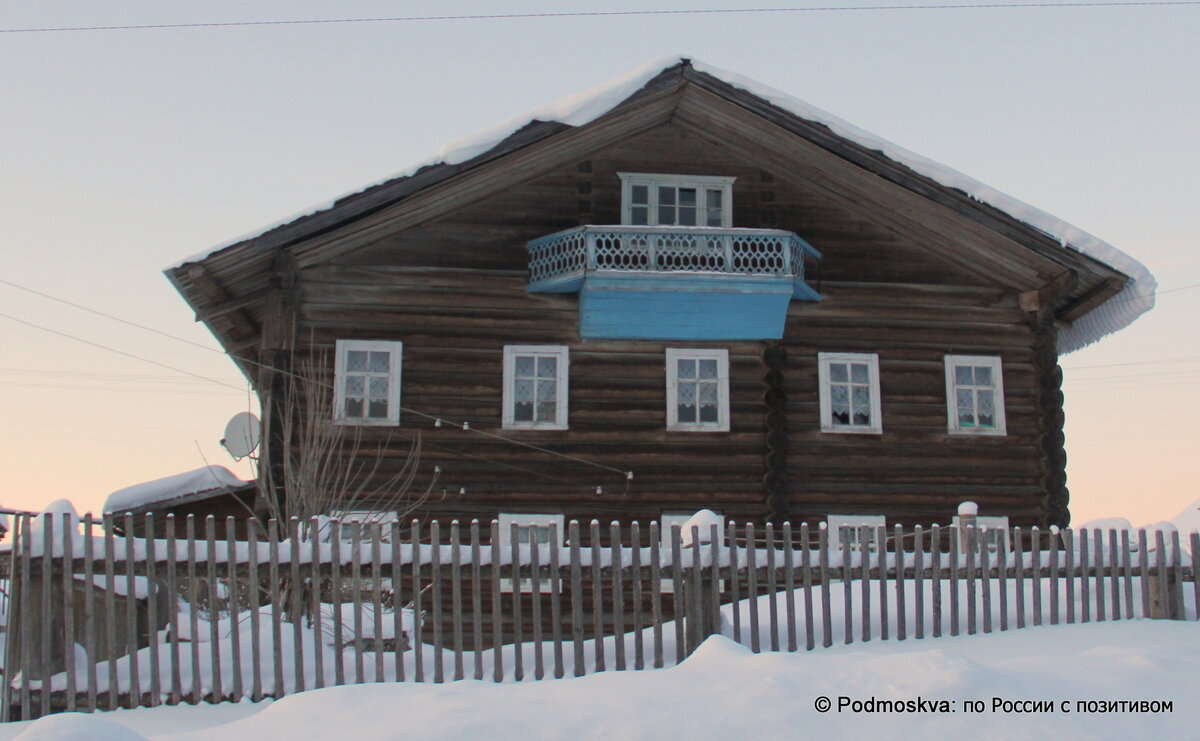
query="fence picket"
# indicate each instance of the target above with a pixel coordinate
(734, 587)
(214, 615)
(255, 598)
(847, 583)
(476, 602)
(397, 575)
(1019, 575)
(1144, 570)
(1002, 578)
(1127, 573)
(1055, 577)
(435, 602)
(418, 617)
(535, 614)
(752, 586)
(901, 607)
(28, 612)
(655, 593)
(1160, 568)
(556, 599)
(618, 597)
(235, 603)
(577, 602)
(918, 584)
(377, 602)
(357, 642)
(193, 608)
(296, 610)
(635, 582)
(935, 547)
(789, 584)
(69, 527)
(971, 550)
(826, 608)
(1196, 573)
(985, 582)
(315, 582)
(456, 601)
(1068, 537)
(89, 622)
(1098, 559)
(497, 624)
(772, 586)
(1085, 601)
(515, 589)
(1114, 574)
(806, 564)
(48, 627)
(597, 595)
(677, 595)
(277, 606)
(955, 536)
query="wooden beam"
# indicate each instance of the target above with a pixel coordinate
(1093, 298)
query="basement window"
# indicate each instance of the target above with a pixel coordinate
(849, 392)
(993, 530)
(697, 390)
(544, 529)
(535, 387)
(367, 382)
(974, 395)
(676, 200)
(859, 531)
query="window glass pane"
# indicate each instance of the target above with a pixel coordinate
(839, 395)
(708, 368)
(547, 367)
(356, 360)
(966, 418)
(546, 390)
(687, 197)
(862, 417)
(639, 194)
(639, 216)
(837, 372)
(523, 411)
(686, 393)
(841, 414)
(858, 373)
(380, 362)
(987, 409)
(524, 366)
(378, 409)
(379, 388)
(713, 199)
(666, 215)
(523, 390)
(713, 217)
(354, 407)
(546, 410)
(686, 368)
(687, 216)
(964, 399)
(963, 375)
(862, 398)
(687, 414)
(708, 413)
(666, 196)
(355, 387)
(708, 393)
(983, 376)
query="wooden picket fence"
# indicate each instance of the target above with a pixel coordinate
(108, 613)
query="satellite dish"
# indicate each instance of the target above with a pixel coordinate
(241, 435)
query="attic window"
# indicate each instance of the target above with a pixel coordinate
(676, 200)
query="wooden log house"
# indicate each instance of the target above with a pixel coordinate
(750, 305)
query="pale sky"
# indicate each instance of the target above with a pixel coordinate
(122, 152)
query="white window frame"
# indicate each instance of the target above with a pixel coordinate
(674, 355)
(511, 353)
(700, 182)
(993, 529)
(990, 361)
(835, 523)
(504, 523)
(824, 360)
(395, 351)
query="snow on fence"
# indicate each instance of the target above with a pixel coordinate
(123, 613)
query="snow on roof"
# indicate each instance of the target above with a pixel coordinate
(209, 478)
(1188, 520)
(587, 105)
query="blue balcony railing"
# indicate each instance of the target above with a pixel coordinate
(559, 262)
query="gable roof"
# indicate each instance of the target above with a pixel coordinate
(1106, 308)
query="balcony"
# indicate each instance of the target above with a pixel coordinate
(696, 283)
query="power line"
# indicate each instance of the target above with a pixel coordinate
(438, 420)
(1184, 359)
(604, 14)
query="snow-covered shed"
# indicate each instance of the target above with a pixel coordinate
(211, 490)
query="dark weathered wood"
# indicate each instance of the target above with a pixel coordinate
(377, 603)
(734, 571)
(864, 533)
(971, 552)
(69, 528)
(296, 608)
(635, 582)
(772, 587)
(1100, 568)
(789, 584)
(1195, 542)
(677, 591)
(955, 538)
(1002, 579)
(497, 624)
(806, 564)
(1085, 598)
(403, 640)
(618, 597)
(254, 591)
(1055, 578)
(1114, 573)
(193, 607)
(316, 585)
(234, 590)
(131, 616)
(935, 583)
(901, 607)
(476, 602)
(596, 576)
(456, 597)
(277, 684)
(214, 614)
(435, 598)
(577, 599)
(418, 642)
(1036, 581)
(89, 613)
(847, 583)
(656, 591)
(535, 612)
(826, 608)
(556, 598)
(1127, 575)
(514, 543)
(918, 585)
(752, 587)
(1068, 540)
(1019, 574)
(1144, 571)
(358, 643)
(985, 583)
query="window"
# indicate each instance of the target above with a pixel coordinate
(676, 200)
(849, 390)
(535, 387)
(698, 390)
(367, 382)
(993, 530)
(974, 395)
(537, 526)
(860, 530)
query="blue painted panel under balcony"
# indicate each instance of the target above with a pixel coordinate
(675, 283)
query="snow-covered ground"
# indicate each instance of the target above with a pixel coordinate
(725, 691)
